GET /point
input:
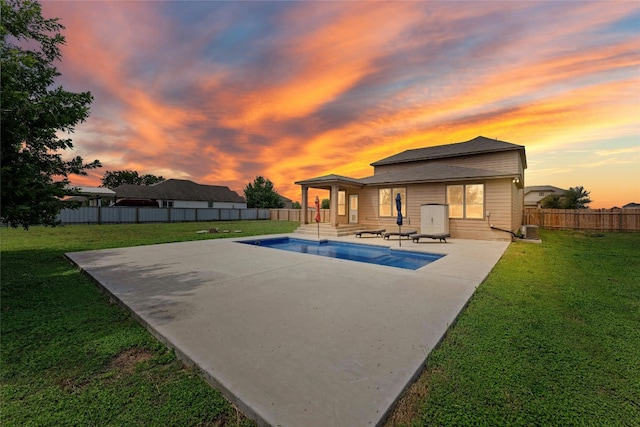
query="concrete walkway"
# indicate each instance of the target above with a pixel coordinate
(295, 339)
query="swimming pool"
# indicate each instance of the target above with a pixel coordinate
(371, 254)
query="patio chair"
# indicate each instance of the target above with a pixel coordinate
(441, 236)
(407, 234)
(374, 232)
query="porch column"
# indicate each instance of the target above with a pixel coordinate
(305, 203)
(334, 205)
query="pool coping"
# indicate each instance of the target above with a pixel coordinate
(428, 257)
(292, 340)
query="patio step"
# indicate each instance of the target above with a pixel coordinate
(327, 230)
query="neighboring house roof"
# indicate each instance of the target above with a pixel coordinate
(631, 205)
(477, 145)
(179, 189)
(543, 188)
(431, 173)
(95, 191)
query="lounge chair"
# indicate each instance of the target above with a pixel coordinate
(374, 232)
(401, 235)
(442, 236)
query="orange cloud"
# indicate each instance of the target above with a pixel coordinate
(221, 92)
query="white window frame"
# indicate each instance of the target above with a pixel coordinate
(466, 207)
(167, 203)
(392, 202)
(342, 203)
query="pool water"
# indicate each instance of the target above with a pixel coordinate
(371, 254)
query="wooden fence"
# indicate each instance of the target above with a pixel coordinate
(584, 219)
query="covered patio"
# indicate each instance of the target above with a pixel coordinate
(335, 184)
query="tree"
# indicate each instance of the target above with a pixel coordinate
(296, 205)
(552, 201)
(34, 176)
(573, 198)
(326, 204)
(117, 178)
(262, 195)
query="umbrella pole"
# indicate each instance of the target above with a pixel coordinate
(318, 230)
(400, 234)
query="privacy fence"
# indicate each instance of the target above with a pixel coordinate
(140, 215)
(584, 219)
(294, 215)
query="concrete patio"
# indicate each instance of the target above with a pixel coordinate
(296, 339)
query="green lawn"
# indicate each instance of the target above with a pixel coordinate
(552, 337)
(68, 357)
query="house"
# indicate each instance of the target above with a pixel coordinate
(631, 205)
(533, 194)
(481, 181)
(286, 202)
(91, 196)
(181, 193)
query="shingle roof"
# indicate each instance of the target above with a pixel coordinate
(537, 188)
(477, 145)
(96, 191)
(431, 173)
(328, 179)
(179, 189)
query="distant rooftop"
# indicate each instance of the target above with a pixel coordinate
(179, 189)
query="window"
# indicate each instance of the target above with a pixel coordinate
(387, 201)
(466, 201)
(167, 203)
(541, 194)
(342, 203)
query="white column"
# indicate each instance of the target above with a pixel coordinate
(305, 203)
(334, 205)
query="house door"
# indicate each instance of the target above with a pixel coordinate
(353, 209)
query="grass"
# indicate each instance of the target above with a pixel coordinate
(551, 337)
(68, 357)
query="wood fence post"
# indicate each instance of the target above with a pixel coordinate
(620, 224)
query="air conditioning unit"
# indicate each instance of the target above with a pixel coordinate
(530, 232)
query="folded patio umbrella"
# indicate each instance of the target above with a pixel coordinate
(399, 219)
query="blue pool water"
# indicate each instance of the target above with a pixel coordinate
(371, 254)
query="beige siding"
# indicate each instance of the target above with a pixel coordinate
(504, 161)
(498, 200)
(517, 207)
(498, 205)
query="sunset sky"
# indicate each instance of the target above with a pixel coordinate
(220, 92)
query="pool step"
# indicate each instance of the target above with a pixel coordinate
(327, 230)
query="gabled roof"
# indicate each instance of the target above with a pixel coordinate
(477, 145)
(631, 205)
(431, 173)
(329, 179)
(541, 188)
(179, 189)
